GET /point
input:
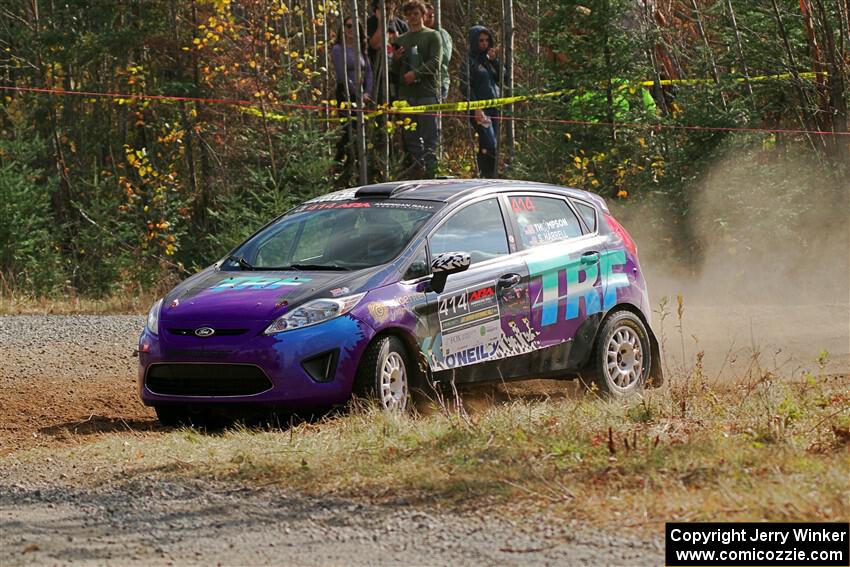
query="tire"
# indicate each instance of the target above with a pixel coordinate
(385, 375)
(172, 415)
(177, 415)
(621, 358)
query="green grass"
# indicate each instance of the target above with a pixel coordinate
(770, 450)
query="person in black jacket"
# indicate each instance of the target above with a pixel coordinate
(480, 78)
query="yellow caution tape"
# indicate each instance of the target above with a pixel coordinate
(757, 79)
(402, 107)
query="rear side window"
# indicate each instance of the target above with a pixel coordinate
(542, 220)
(588, 213)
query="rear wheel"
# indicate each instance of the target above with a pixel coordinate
(621, 359)
(384, 375)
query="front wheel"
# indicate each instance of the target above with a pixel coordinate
(172, 415)
(384, 375)
(621, 358)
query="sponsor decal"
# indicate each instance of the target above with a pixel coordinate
(514, 298)
(518, 341)
(406, 205)
(394, 309)
(472, 338)
(344, 195)
(593, 286)
(336, 292)
(326, 206)
(349, 202)
(482, 294)
(412, 299)
(258, 282)
(383, 311)
(469, 320)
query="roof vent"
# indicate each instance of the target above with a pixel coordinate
(382, 190)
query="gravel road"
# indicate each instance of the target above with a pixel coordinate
(151, 522)
(65, 379)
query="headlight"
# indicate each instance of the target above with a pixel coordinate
(153, 317)
(313, 312)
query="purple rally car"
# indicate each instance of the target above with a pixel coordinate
(370, 290)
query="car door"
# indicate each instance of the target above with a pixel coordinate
(473, 319)
(563, 260)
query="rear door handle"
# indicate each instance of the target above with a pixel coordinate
(590, 258)
(509, 280)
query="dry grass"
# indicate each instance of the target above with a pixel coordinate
(763, 449)
(131, 302)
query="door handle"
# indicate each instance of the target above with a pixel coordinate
(509, 280)
(590, 258)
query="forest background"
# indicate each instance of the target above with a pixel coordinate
(104, 196)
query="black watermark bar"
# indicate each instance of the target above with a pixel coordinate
(757, 544)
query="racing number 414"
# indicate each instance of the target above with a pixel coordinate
(520, 204)
(455, 302)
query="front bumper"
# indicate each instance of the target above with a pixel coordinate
(285, 370)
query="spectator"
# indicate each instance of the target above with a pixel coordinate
(416, 65)
(480, 77)
(445, 81)
(382, 63)
(344, 64)
(374, 30)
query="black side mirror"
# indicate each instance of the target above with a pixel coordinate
(445, 265)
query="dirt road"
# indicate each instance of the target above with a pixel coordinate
(151, 522)
(68, 380)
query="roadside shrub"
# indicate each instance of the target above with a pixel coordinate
(301, 172)
(30, 259)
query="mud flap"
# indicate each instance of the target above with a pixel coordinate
(656, 374)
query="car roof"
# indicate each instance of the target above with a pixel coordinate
(451, 190)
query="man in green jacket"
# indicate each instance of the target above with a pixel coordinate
(416, 66)
(445, 80)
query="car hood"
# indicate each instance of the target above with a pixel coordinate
(215, 295)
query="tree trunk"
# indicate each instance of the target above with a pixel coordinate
(609, 71)
(807, 121)
(509, 78)
(657, 88)
(385, 81)
(202, 185)
(837, 108)
(714, 73)
(358, 78)
(439, 26)
(740, 48)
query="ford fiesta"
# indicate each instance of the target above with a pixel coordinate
(370, 290)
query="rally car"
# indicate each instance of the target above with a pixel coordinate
(378, 290)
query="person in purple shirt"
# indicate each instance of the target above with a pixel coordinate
(344, 61)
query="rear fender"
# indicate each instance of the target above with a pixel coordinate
(656, 374)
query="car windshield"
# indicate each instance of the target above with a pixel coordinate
(334, 235)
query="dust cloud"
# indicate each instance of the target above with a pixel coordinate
(765, 276)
